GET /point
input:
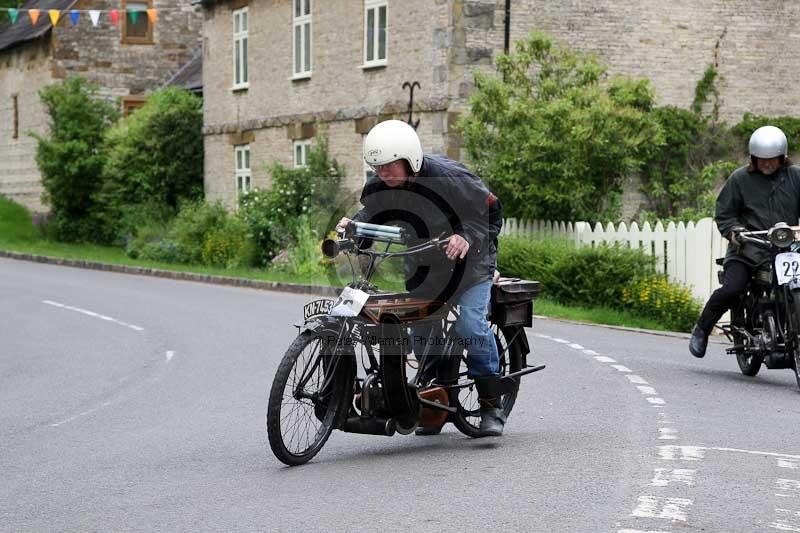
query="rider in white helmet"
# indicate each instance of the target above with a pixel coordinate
(433, 195)
(754, 198)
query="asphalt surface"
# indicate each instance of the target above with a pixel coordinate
(135, 403)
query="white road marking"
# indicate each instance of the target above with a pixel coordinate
(93, 314)
(644, 389)
(638, 531)
(656, 401)
(664, 476)
(591, 352)
(668, 508)
(788, 485)
(788, 463)
(633, 378)
(604, 359)
(753, 452)
(682, 453)
(79, 415)
(562, 341)
(667, 434)
(789, 522)
(621, 368)
(170, 355)
(576, 346)
(542, 336)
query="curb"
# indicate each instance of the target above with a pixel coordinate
(169, 274)
(265, 285)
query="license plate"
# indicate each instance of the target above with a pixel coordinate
(350, 302)
(317, 308)
(787, 267)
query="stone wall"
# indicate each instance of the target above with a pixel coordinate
(753, 43)
(96, 53)
(23, 72)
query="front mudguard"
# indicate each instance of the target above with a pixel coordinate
(318, 326)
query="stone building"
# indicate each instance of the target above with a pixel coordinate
(127, 61)
(278, 71)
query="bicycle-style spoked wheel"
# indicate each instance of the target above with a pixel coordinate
(468, 418)
(304, 401)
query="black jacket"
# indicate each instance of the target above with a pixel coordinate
(757, 202)
(443, 199)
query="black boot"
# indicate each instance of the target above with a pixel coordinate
(698, 342)
(493, 418)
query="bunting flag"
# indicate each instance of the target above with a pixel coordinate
(94, 15)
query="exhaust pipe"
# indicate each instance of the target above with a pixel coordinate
(369, 426)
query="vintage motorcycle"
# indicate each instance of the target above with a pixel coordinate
(318, 387)
(765, 324)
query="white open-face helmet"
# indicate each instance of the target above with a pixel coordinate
(768, 142)
(392, 140)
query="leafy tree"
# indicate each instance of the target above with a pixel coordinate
(71, 158)
(680, 177)
(155, 155)
(553, 137)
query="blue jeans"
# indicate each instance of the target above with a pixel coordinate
(472, 332)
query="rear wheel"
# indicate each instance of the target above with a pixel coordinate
(468, 418)
(306, 395)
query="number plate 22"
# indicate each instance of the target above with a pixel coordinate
(787, 268)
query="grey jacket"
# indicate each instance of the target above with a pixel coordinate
(443, 199)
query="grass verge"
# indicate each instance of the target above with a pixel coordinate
(594, 315)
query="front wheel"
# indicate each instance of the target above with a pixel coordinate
(468, 417)
(750, 364)
(305, 398)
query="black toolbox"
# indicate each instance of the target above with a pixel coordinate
(512, 301)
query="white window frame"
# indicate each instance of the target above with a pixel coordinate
(243, 179)
(303, 24)
(375, 6)
(303, 145)
(241, 26)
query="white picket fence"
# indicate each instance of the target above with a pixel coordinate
(685, 252)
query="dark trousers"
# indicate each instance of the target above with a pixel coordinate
(734, 283)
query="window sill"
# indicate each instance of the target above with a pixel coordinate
(301, 77)
(239, 88)
(373, 65)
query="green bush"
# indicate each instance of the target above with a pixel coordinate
(552, 138)
(71, 159)
(603, 276)
(312, 192)
(656, 297)
(155, 155)
(304, 257)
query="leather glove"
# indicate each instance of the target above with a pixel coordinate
(733, 236)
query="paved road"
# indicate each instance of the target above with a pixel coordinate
(134, 403)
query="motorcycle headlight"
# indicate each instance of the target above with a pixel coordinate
(781, 235)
